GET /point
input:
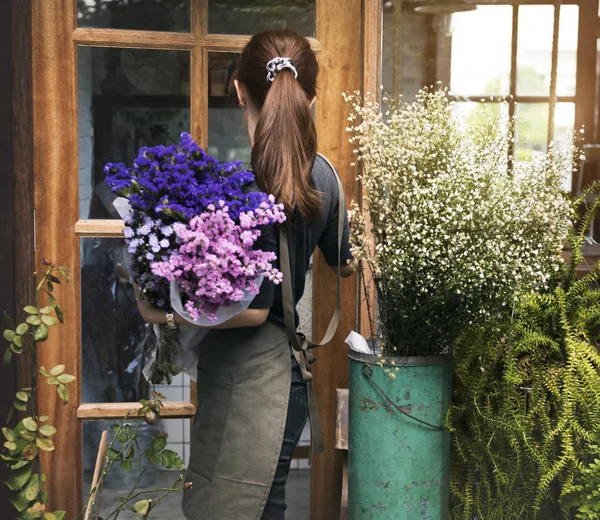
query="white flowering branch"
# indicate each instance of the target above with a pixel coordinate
(457, 229)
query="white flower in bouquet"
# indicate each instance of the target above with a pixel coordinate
(451, 228)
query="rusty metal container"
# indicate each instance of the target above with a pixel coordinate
(398, 467)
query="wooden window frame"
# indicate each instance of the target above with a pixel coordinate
(584, 97)
(199, 43)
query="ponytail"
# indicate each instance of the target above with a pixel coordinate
(285, 147)
(285, 137)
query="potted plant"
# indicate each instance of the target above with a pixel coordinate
(450, 231)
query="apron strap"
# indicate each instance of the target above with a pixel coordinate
(300, 344)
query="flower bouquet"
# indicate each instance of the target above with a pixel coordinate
(190, 225)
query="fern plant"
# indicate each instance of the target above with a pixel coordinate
(584, 494)
(527, 400)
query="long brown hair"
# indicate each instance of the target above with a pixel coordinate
(285, 138)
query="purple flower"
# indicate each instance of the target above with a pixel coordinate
(194, 220)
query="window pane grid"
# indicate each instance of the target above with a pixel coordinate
(526, 64)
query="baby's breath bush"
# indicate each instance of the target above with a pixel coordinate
(456, 229)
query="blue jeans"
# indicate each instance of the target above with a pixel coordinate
(296, 419)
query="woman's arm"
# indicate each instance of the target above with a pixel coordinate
(345, 270)
(152, 314)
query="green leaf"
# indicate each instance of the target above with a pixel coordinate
(153, 457)
(33, 488)
(18, 478)
(33, 320)
(66, 378)
(44, 372)
(19, 464)
(158, 395)
(30, 424)
(50, 287)
(114, 454)
(47, 310)
(29, 452)
(22, 396)
(6, 458)
(43, 418)
(63, 393)
(159, 443)
(52, 381)
(9, 445)
(7, 356)
(126, 465)
(20, 502)
(27, 436)
(59, 313)
(20, 405)
(64, 272)
(30, 309)
(59, 514)
(178, 463)
(49, 320)
(54, 279)
(130, 452)
(43, 443)
(57, 370)
(9, 434)
(18, 341)
(36, 509)
(47, 429)
(9, 335)
(40, 333)
(141, 507)
(22, 328)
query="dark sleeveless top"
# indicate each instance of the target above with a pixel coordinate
(304, 237)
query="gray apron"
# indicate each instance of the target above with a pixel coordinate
(244, 378)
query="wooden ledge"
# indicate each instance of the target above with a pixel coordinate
(108, 228)
(101, 411)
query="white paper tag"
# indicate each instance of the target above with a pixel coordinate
(358, 344)
(122, 206)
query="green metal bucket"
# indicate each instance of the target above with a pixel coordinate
(399, 468)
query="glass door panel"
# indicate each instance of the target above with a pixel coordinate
(146, 15)
(252, 16)
(128, 98)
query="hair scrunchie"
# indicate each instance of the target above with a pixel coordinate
(278, 64)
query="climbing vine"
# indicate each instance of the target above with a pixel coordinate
(33, 431)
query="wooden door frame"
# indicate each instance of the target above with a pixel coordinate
(55, 38)
(344, 55)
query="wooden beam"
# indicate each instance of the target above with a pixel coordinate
(103, 411)
(586, 70)
(372, 41)
(103, 228)
(56, 201)
(123, 38)
(235, 43)
(22, 105)
(339, 33)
